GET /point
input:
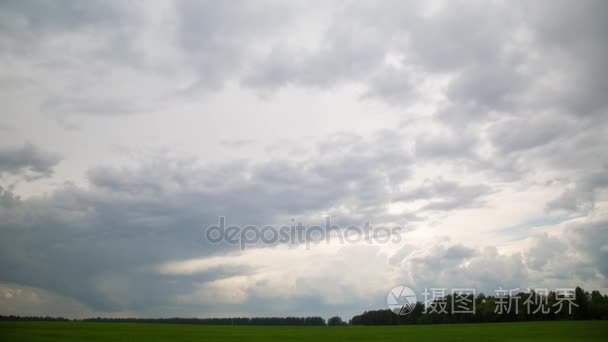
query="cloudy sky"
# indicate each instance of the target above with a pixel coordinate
(126, 129)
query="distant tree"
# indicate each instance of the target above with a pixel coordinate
(336, 320)
(581, 311)
(598, 306)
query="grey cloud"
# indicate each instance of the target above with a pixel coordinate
(8, 198)
(219, 38)
(459, 252)
(583, 195)
(44, 16)
(483, 269)
(544, 249)
(35, 302)
(444, 42)
(393, 86)
(478, 47)
(452, 141)
(492, 86)
(444, 146)
(560, 260)
(340, 59)
(576, 255)
(29, 25)
(93, 37)
(481, 48)
(522, 133)
(105, 42)
(570, 200)
(570, 34)
(237, 143)
(83, 105)
(93, 244)
(591, 240)
(28, 160)
(446, 195)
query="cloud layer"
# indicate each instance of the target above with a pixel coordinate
(478, 128)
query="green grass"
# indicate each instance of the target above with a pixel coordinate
(530, 331)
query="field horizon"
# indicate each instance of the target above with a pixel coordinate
(511, 331)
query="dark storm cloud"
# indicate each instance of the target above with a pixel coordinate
(99, 246)
(100, 243)
(28, 160)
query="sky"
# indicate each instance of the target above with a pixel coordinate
(127, 129)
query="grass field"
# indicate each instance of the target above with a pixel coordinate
(77, 331)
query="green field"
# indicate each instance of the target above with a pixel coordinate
(529, 331)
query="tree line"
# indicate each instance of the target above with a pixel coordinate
(583, 306)
(276, 321)
(488, 309)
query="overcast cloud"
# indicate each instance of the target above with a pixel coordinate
(479, 128)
